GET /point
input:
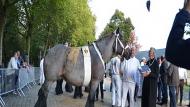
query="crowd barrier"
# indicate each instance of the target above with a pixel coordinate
(26, 78)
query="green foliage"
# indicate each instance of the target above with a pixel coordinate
(118, 20)
(75, 21)
(12, 40)
(47, 23)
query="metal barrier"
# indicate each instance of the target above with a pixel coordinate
(26, 78)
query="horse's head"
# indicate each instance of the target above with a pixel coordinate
(120, 46)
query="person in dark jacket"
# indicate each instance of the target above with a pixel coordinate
(149, 89)
(163, 73)
(178, 43)
(173, 82)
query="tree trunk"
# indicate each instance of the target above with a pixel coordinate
(28, 48)
(47, 40)
(29, 35)
(2, 25)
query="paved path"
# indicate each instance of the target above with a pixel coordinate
(64, 100)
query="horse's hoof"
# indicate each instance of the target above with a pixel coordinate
(75, 97)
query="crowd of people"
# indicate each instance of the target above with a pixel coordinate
(129, 81)
(17, 62)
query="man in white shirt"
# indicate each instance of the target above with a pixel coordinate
(130, 77)
(182, 80)
(116, 81)
(13, 65)
(13, 62)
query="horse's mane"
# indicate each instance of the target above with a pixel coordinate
(104, 37)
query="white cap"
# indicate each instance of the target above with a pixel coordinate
(143, 58)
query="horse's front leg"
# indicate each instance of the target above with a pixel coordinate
(91, 95)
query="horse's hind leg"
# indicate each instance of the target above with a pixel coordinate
(43, 94)
(91, 95)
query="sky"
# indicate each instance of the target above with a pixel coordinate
(151, 28)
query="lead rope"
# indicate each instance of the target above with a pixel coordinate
(121, 44)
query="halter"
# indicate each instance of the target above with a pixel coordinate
(121, 44)
(117, 39)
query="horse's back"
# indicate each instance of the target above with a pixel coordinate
(65, 62)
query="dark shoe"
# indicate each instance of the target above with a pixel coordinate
(74, 97)
(102, 100)
(81, 95)
(158, 102)
(58, 93)
(139, 96)
(163, 103)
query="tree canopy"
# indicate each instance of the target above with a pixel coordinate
(118, 20)
(34, 26)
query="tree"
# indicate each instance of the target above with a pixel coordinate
(133, 41)
(76, 22)
(12, 40)
(36, 25)
(62, 21)
(4, 5)
(118, 20)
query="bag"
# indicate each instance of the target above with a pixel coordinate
(144, 69)
(178, 43)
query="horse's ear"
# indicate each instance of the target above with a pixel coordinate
(118, 30)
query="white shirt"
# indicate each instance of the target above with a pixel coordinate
(131, 70)
(13, 63)
(41, 65)
(182, 73)
(115, 65)
(142, 63)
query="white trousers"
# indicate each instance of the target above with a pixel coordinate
(116, 90)
(128, 87)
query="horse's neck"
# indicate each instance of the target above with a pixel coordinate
(105, 47)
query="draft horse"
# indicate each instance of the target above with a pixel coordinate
(67, 63)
